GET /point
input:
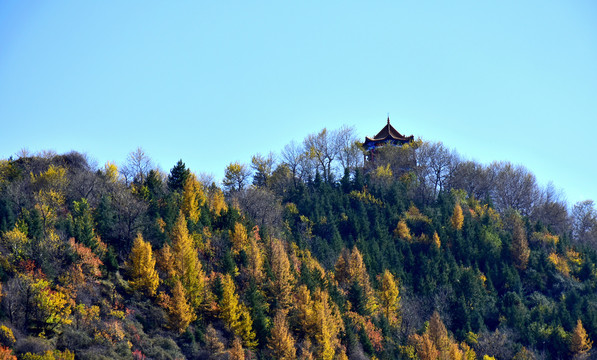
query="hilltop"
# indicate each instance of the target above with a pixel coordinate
(312, 253)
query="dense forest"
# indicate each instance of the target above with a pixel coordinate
(311, 253)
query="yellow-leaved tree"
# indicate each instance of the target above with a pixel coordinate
(402, 231)
(520, 246)
(193, 197)
(350, 269)
(254, 268)
(580, 343)
(457, 218)
(235, 314)
(389, 298)
(282, 284)
(180, 312)
(238, 237)
(187, 265)
(281, 341)
(328, 325)
(141, 267)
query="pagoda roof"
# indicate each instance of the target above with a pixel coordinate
(389, 133)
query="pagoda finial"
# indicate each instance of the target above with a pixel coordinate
(388, 118)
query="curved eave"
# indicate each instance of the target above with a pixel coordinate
(389, 137)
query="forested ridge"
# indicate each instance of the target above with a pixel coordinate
(310, 253)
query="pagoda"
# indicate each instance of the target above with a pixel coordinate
(387, 135)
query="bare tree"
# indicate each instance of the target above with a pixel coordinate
(291, 155)
(136, 167)
(513, 187)
(261, 205)
(551, 210)
(584, 222)
(349, 154)
(323, 148)
(471, 177)
(435, 163)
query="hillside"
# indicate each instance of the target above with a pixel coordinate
(311, 253)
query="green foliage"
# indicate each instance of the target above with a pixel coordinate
(349, 266)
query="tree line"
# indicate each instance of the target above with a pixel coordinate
(309, 253)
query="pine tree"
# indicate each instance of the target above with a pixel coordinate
(188, 268)
(141, 267)
(580, 343)
(457, 218)
(180, 312)
(82, 224)
(281, 341)
(178, 176)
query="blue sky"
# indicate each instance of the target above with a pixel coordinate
(216, 82)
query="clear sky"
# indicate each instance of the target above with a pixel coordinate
(214, 82)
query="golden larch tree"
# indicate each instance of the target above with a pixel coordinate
(187, 265)
(303, 315)
(141, 267)
(520, 247)
(436, 241)
(238, 237)
(457, 218)
(281, 341)
(255, 260)
(235, 314)
(236, 352)
(216, 201)
(328, 324)
(580, 343)
(350, 268)
(389, 298)
(282, 284)
(193, 197)
(424, 347)
(180, 312)
(166, 262)
(402, 231)
(438, 333)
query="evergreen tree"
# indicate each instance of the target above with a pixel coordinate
(178, 176)
(82, 224)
